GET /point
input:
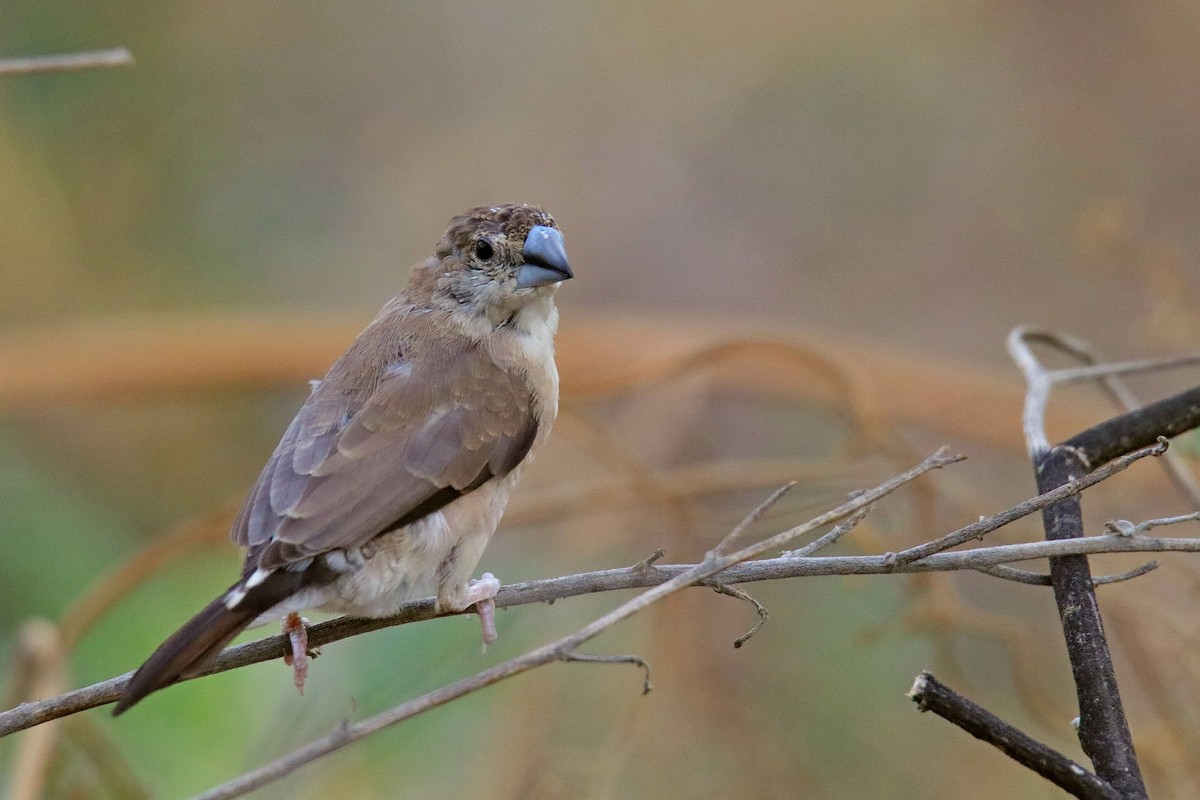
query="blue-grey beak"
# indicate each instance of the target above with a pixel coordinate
(545, 259)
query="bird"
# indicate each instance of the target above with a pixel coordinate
(392, 478)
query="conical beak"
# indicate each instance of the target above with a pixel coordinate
(545, 259)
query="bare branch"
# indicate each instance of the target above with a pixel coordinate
(1096, 371)
(1040, 381)
(931, 695)
(548, 590)
(118, 57)
(1037, 383)
(986, 525)
(1136, 572)
(1104, 730)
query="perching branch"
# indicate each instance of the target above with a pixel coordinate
(931, 695)
(118, 57)
(715, 561)
(549, 590)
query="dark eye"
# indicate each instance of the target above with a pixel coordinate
(483, 250)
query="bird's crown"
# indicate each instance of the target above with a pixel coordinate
(512, 222)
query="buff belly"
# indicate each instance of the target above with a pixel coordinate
(436, 555)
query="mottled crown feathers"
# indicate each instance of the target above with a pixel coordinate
(512, 222)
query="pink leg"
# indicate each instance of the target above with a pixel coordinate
(481, 594)
(296, 627)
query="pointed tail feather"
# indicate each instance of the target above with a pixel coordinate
(187, 651)
(191, 648)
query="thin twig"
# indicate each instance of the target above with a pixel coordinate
(1037, 386)
(931, 695)
(759, 608)
(835, 533)
(988, 524)
(753, 517)
(1119, 577)
(1123, 527)
(1040, 381)
(273, 648)
(1096, 371)
(118, 57)
(638, 661)
(1043, 579)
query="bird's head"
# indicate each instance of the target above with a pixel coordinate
(494, 262)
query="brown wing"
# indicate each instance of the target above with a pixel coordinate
(345, 472)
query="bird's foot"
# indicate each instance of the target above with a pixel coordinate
(481, 594)
(296, 628)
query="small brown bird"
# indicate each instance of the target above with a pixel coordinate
(393, 476)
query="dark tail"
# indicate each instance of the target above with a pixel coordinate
(187, 651)
(191, 648)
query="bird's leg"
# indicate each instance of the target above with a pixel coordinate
(481, 593)
(296, 628)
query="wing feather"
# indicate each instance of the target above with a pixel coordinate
(345, 472)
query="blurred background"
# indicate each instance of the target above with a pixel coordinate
(801, 231)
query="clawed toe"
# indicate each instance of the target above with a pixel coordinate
(479, 593)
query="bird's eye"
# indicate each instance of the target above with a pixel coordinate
(483, 250)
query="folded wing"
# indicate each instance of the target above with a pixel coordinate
(347, 471)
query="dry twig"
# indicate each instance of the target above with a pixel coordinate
(986, 525)
(931, 695)
(118, 57)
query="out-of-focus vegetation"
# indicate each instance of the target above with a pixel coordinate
(745, 189)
